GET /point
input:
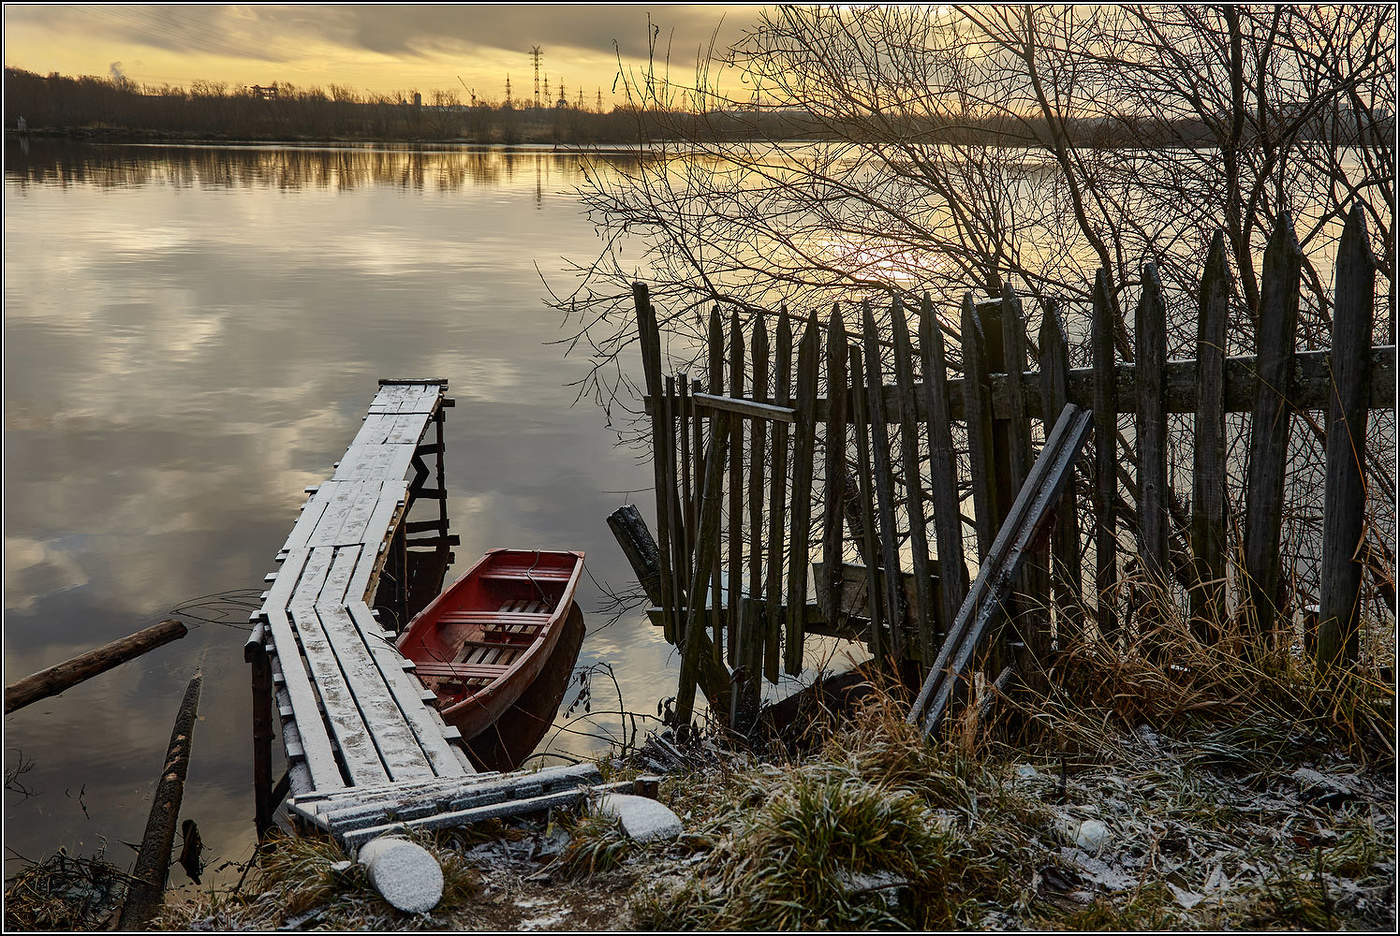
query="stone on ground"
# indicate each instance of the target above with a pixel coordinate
(642, 819)
(407, 875)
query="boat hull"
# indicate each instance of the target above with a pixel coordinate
(485, 640)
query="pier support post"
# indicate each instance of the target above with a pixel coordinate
(262, 741)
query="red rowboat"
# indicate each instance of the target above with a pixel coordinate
(483, 641)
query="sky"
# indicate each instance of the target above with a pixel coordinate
(375, 48)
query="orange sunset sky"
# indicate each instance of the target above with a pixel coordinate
(366, 47)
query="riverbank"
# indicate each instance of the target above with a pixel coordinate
(1163, 798)
(1237, 825)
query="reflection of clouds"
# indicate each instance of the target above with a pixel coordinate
(34, 568)
(169, 404)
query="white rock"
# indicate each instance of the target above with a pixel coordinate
(1088, 834)
(1026, 772)
(643, 819)
(407, 875)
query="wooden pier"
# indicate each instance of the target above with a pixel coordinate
(365, 747)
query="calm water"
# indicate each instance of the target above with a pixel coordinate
(191, 337)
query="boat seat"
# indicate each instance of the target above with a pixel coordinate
(526, 574)
(461, 670)
(494, 617)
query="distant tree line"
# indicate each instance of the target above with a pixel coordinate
(114, 106)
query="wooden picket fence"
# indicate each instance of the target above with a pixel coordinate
(735, 470)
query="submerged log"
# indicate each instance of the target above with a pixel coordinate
(84, 666)
(143, 896)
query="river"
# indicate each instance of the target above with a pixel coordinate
(192, 335)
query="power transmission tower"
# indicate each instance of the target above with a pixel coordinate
(546, 88)
(579, 103)
(536, 54)
(563, 96)
(600, 100)
(507, 90)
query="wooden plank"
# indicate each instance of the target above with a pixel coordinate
(1150, 353)
(395, 743)
(357, 749)
(1268, 437)
(1029, 618)
(375, 463)
(1208, 464)
(925, 615)
(808, 354)
(697, 642)
(311, 731)
(979, 427)
(311, 513)
(687, 474)
(374, 430)
(650, 339)
(736, 488)
(746, 407)
(387, 511)
(716, 362)
(834, 473)
(869, 534)
(1025, 519)
(426, 724)
(1066, 577)
(884, 482)
(1344, 511)
(754, 627)
(943, 465)
(777, 496)
(1105, 497)
(673, 520)
(1308, 390)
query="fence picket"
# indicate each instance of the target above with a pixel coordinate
(829, 587)
(925, 619)
(1268, 437)
(1344, 510)
(1066, 572)
(1105, 497)
(884, 482)
(777, 497)
(1208, 463)
(860, 418)
(803, 451)
(943, 468)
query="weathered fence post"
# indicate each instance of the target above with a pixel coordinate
(648, 334)
(1150, 353)
(735, 578)
(717, 388)
(1105, 498)
(1268, 439)
(1344, 510)
(673, 516)
(707, 564)
(808, 360)
(754, 628)
(884, 480)
(1054, 394)
(1208, 475)
(943, 468)
(977, 407)
(906, 398)
(777, 498)
(833, 526)
(860, 412)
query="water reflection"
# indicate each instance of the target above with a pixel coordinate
(339, 168)
(191, 337)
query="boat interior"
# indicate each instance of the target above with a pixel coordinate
(480, 626)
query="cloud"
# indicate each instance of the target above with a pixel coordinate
(280, 33)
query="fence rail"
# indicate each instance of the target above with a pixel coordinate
(736, 593)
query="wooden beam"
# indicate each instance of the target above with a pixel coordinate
(84, 666)
(744, 407)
